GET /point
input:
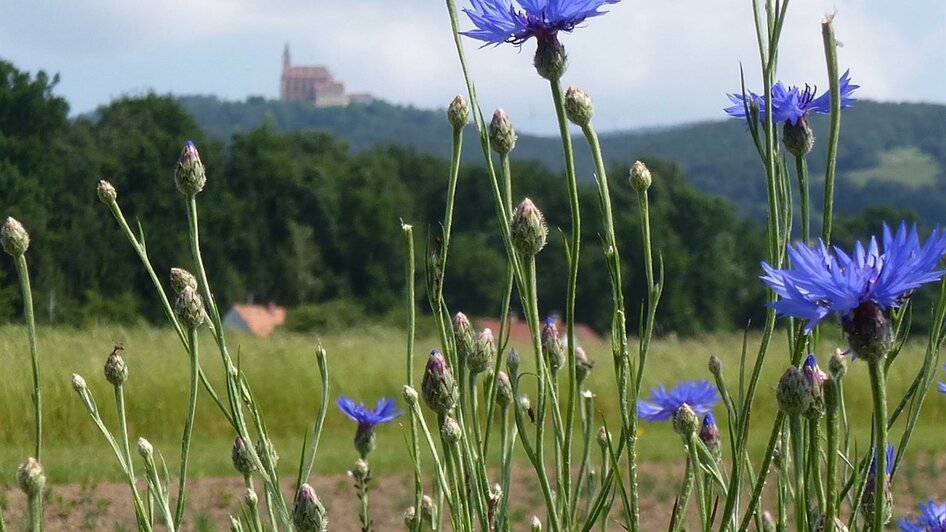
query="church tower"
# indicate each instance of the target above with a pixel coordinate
(285, 56)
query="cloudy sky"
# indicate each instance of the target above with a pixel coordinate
(646, 63)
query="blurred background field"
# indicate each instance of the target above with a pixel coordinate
(364, 363)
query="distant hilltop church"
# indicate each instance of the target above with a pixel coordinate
(314, 84)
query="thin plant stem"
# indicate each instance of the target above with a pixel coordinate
(35, 518)
(801, 169)
(188, 426)
(801, 492)
(879, 396)
(362, 487)
(832, 390)
(678, 519)
(814, 460)
(834, 127)
(408, 231)
(320, 418)
(23, 272)
(763, 471)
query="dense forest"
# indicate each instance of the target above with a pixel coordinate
(891, 153)
(304, 219)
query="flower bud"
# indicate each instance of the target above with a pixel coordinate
(410, 517)
(235, 524)
(189, 308)
(524, 402)
(502, 137)
(484, 352)
(409, 394)
(868, 331)
(715, 366)
(816, 379)
(550, 60)
(14, 238)
(640, 176)
(583, 365)
(78, 383)
(308, 514)
(265, 449)
(364, 439)
(116, 371)
(512, 363)
(709, 435)
(535, 525)
(450, 430)
(458, 113)
(30, 477)
(181, 278)
(798, 138)
(794, 393)
(768, 522)
(779, 456)
(106, 192)
(360, 471)
(427, 509)
(837, 365)
(145, 449)
(578, 106)
(439, 387)
(190, 175)
(603, 437)
(553, 348)
(503, 390)
(240, 455)
(463, 336)
(685, 421)
(839, 525)
(250, 498)
(527, 229)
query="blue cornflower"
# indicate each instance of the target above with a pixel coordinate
(932, 519)
(822, 280)
(367, 419)
(792, 103)
(888, 465)
(499, 21)
(700, 395)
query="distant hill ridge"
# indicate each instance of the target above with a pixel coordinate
(890, 153)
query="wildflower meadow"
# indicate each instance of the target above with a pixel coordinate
(804, 422)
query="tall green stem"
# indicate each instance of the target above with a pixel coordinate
(834, 128)
(832, 391)
(879, 396)
(23, 273)
(801, 168)
(678, 519)
(801, 492)
(188, 426)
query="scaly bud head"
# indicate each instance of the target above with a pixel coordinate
(553, 348)
(794, 393)
(360, 471)
(265, 449)
(409, 394)
(145, 449)
(798, 138)
(527, 229)
(181, 279)
(250, 498)
(578, 106)
(14, 238)
(190, 175)
(116, 371)
(106, 192)
(427, 509)
(535, 525)
(550, 60)
(502, 137)
(868, 331)
(439, 387)
(816, 379)
(837, 365)
(583, 365)
(30, 477)
(640, 176)
(364, 439)
(685, 421)
(715, 366)
(450, 430)
(458, 113)
(409, 517)
(512, 363)
(603, 437)
(464, 336)
(240, 455)
(308, 514)
(484, 352)
(709, 435)
(503, 390)
(189, 308)
(78, 383)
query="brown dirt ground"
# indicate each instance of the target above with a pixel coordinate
(107, 505)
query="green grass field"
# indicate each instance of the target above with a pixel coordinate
(364, 363)
(905, 166)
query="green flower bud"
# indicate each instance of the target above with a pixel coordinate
(439, 387)
(868, 331)
(464, 336)
(550, 60)
(554, 349)
(578, 106)
(484, 352)
(458, 113)
(503, 390)
(709, 435)
(106, 192)
(583, 365)
(364, 439)
(410, 517)
(450, 430)
(145, 449)
(235, 524)
(14, 238)
(816, 379)
(181, 279)
(685, 421)
(250, 498)
(116, 371)
(715, 366)
(409, 394)
(603, 437)
(794, 393)
(798, 138)
(527, 229)
(535, 525)
(640, 176)
(240, 455)
(308, 514)
(837, 365)
(524, 402)
(502, 137)
(768, 522)
(30, 477)
(189, 308)
(361, 471)
(512, 363)
(78, 383)
(427, 509)
(190, 175)
(265, 449)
